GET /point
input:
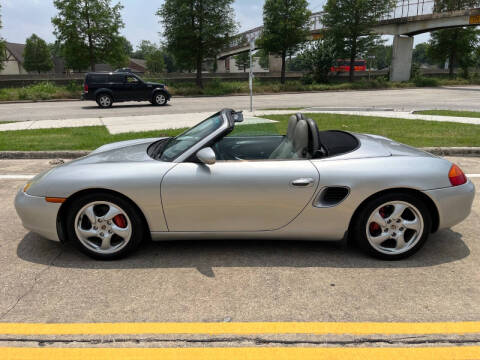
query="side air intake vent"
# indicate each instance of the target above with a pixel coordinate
(332, 196)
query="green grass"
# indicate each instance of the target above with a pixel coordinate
(469, 114)
(412, 132)
(82, 138)
(41, 91)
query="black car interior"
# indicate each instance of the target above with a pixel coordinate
(303, 141)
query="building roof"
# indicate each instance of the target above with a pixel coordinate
(16, 50)
(138, 65)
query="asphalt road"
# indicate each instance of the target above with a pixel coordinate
(207, 281)
(452, 98)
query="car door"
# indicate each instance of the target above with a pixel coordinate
(237, 196)
(117, 85)
(133, 88)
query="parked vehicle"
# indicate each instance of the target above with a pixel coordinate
(203, 184)
(344, 66)
(108, 88)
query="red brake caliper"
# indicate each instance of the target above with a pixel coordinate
(374, 227)
(120, 221)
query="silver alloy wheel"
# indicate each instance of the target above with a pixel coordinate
(105, 101)
(394, 228)
(160, 99)
(103, 227)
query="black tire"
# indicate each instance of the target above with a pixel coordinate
(159, 98)
(361, 226)
(104, 100)
(135, 220)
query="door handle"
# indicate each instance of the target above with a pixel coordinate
(303, 182)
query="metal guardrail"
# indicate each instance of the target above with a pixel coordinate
(403, 10)
(410, 8)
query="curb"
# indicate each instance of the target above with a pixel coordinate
(454, 151)
(36, 155)
(23, 155)
(36, 101)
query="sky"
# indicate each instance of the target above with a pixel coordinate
(22, 18)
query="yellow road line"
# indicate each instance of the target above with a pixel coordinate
(467, 352)
(252, 328)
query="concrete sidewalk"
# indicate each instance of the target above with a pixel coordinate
(118, 125)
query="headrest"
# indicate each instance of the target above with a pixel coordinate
(314, 137)
(292, 124)
(300, 140)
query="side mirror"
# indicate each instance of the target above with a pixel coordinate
(207, 156)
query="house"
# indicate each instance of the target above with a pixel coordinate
(13, 63)
(137, 65)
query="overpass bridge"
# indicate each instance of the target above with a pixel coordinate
(407, 19)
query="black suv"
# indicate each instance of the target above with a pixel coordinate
(107, 88)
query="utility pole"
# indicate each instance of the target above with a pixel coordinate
(250, 77)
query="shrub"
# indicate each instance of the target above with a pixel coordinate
(421, 81)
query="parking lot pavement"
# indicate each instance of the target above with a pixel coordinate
(207, 281)
(451, 98)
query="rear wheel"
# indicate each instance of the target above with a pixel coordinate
(105, 226)
(159, 99)
(393, 226)
(104, 101)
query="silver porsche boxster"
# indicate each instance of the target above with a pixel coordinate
(205, 184)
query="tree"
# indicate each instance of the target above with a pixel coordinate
(145, 48)
(170, 62)
(263, 58)
(127, 46)
(380, 56)
(349, 23)
(318, 58)
(89, 32)
(452, 5)
(2, 46)
(286, 26)
(37, 56)
(420, 54)
(454, 45)
(242, 61)
(155, 62)
(196, 30)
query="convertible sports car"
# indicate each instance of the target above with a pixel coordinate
(204, 184)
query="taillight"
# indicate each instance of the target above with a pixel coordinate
(456, 176)
(85, 88)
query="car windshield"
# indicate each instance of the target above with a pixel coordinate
(176, 146)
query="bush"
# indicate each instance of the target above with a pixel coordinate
(421, 81)
(307, 79)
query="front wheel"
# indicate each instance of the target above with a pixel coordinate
(159, 99)
(104, 226)
(393, 226)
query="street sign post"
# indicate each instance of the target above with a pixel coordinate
(250, 77)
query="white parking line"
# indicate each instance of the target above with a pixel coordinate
(16, 177)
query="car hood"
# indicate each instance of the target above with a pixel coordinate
(154, 84)
(124, 151)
